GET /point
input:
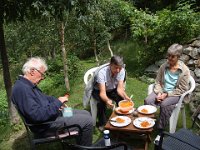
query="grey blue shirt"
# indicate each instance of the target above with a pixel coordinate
(170, 80)
(104, 77)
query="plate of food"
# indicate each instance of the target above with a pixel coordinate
(144, 122)
(118, 111)
(120, 121)
(147, 109)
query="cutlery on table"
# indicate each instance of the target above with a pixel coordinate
(112, 120)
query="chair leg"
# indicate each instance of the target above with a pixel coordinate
(183, 116)
(63, 145)
(173, 120)
(93, 106)
(33, 146)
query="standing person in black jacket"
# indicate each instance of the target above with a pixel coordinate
(37, 107)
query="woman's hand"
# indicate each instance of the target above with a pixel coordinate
(158, 97)
(161, 96)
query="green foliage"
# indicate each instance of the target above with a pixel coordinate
(91, 25)
(54, 83)
(143, 24)
(74, 66)
(3, 101)
(160, 30)
(40, 39)
(17, 127)
(177, 26)
(133, 53)
(4, 116)
(56, 65)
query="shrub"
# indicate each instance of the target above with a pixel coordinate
(160, 30)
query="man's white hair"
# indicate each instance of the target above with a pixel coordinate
(34, 62)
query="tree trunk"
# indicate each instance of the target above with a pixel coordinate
(109, 48)
(94, 41)
(62, 36)
(6, 74)
(145, 36)
(95, 51)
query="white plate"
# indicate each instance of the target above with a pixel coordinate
(150, 109)
(137, 122)
(125, 123)
(119, 112)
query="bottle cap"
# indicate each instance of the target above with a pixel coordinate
(106, 131)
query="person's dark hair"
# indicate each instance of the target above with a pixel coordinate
(117, 60)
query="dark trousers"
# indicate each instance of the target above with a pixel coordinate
(101, 105)
(80, 117)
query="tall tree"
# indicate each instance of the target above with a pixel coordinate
(57, 10)
(6, 7)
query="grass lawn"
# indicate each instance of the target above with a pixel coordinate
(18, 140)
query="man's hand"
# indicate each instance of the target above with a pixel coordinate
(63, 99)
(128, 98)
(109, 104)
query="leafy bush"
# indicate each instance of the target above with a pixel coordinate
(131, 52)
(3, 109)
(92, 24)
(56, 66)
(3, 101)
(165, 27)
(54, 83)
(177, 26)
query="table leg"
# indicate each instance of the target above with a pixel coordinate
(146, 145)
(148, 137)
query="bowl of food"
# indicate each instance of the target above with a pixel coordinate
(125, 106)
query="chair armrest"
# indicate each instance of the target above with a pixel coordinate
(73, 127)
(39, 124)
(65, 129)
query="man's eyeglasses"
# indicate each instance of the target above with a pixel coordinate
(42, 74)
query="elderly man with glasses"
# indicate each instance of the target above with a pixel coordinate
(37, 107)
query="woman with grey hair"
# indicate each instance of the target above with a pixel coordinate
(172, 80)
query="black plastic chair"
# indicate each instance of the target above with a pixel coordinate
(183, 139)
(66, 132)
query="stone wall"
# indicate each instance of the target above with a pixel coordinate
(191, 57)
